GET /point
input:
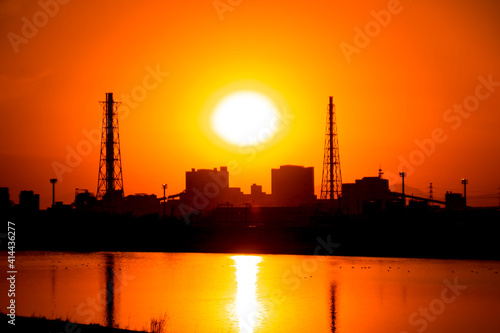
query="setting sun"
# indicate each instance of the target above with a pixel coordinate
(245, 118)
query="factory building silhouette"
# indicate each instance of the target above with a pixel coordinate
(291, 185)
(209, 196)
(209, 190)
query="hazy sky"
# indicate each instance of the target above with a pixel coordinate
(413, 81)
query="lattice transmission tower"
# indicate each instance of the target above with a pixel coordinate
(110, 180)
(331, 181)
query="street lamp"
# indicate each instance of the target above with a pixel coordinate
(164, 198)
(403, 175)
(465, 182)
(53, 181)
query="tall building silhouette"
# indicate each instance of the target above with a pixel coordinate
(331, 183)
(110, 180)
(292, 185)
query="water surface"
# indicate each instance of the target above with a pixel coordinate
(260, 293)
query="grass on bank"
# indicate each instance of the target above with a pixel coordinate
(158, 324)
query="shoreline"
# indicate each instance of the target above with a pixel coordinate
(463, 235)
(44, 325)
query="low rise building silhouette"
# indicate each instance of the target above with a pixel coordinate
(5, 203)
(454, 201)
(29, 202)
(365, 196)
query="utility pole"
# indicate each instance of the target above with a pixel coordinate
(164, 198)
(465, 182)
(53, 181)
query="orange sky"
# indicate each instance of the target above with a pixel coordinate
(396, 89)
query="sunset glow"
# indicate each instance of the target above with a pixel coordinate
(392, 88)
(250, 166)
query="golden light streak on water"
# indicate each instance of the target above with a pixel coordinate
(247, 304)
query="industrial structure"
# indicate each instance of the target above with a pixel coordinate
(209, 196)
(206, 189)
(110, 179)
(331, 181)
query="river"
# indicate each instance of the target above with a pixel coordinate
(195, 292)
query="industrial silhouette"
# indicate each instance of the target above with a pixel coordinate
(209, 196)
(331, 182)
(110, 179)
(210, 215)
(207, 189)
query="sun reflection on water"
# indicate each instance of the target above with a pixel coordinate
(247, 305)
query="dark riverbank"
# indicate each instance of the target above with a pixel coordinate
(43, 325)
(457, 235)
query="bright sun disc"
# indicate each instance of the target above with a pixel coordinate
(245, 118)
